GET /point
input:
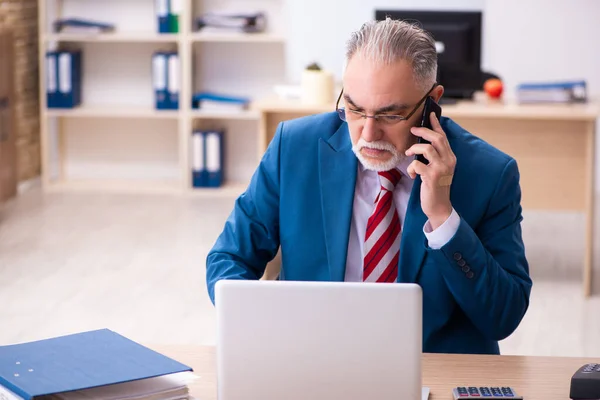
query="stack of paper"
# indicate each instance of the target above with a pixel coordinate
(552, 92)
(91, 365)
(75, 25)
(249, 22)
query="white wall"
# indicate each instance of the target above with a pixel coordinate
(543, 40)
(522, 40)
(318, 26)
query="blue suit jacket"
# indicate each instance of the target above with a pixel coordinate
(475, 289)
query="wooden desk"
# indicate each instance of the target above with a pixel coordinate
(553, 144)
(534, 378)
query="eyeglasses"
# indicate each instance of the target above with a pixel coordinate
(384, 119)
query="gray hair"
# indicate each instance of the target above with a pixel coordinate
(392, 40)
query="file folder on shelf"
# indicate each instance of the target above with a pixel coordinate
(176, 9)
(173, 82)
(216, 101)
(198, 160)
(76, 25)
(95, 364)
(63, 81)
(52, 79)
(207, 159)
(214, 159)
(160, 77)
(162, 15)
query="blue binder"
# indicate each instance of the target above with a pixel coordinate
(162, 14)
(77, 362)
(52, 79)
(199, 173)
(214, 158)
(160, 77)
(173, 81)
(69, 79)
(82, 24)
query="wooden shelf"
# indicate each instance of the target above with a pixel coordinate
(236, 37)
(233, 189)
(113, 37)
(116, 186)
(112, 112)
(130, 71)
(226, 114)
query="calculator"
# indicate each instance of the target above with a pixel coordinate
(485, 392)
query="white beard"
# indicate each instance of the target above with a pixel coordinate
(378, 166)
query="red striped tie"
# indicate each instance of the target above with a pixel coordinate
(382, 239)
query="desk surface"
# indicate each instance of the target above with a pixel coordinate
(479, 109)
(533, 378)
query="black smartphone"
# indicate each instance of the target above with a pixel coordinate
(430, 106)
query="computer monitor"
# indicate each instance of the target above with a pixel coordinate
(458, 42)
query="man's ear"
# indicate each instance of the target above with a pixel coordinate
(437, 93)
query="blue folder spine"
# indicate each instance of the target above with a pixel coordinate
(214, 159)
(159, 73)
(198, 159)
(51, 79)
(173, 81)
(68, 95)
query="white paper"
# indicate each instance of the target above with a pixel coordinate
(425, 393)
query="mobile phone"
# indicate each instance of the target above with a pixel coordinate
(430, 106)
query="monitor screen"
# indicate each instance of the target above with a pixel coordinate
(458, 42)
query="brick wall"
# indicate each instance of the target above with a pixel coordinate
(21, 17)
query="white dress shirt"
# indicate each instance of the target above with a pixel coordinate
(366, 190)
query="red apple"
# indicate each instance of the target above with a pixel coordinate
(493, 87)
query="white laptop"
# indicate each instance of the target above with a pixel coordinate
(289, 340)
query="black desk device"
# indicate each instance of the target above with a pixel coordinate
(585, 383)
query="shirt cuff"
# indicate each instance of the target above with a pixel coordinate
(438, 238)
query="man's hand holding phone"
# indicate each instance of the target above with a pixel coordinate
(437, 176)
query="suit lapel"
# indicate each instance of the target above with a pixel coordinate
(337, 175)
(412, 243)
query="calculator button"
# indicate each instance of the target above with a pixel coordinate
(496, 392)
(485, 392)
(473, 391)
(507, 392)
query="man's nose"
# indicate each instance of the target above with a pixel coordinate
(370, 131)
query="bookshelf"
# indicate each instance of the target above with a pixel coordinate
(116, 141)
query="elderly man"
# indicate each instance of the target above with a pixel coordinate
(346, 199)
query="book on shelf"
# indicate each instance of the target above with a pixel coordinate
(99, 364)
(552, 92)
(77, 25)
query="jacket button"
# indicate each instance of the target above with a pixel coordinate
(470, 274)
(461, 262)
(457, 256)
(465, 268)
